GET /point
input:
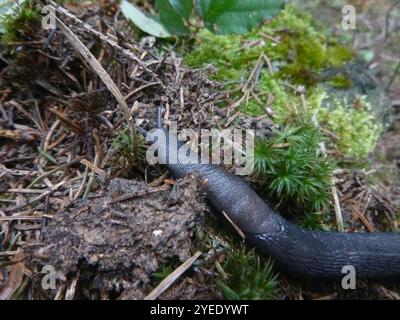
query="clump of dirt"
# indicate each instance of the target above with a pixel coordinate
(115, 240)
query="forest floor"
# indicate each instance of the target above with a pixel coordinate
(75, 190)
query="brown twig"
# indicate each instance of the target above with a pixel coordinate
(168, 281)
(338, 210)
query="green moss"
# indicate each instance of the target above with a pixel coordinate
(122, 143)
(242, 274)
(298, 55)
(282, 101)
(292, 167)
(24, 23)
(340, 81)
(313, 221)
(224, 52)
(252, 108)
(355, 129)
(337, 55)
(302, 52)
(164, 271)
(248, 277)
(303, 49)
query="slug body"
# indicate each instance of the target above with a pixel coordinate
(297, 251)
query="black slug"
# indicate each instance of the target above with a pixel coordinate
(297, 251)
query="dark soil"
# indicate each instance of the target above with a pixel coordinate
(114, 245)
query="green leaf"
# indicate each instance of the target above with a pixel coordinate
(183, 7)
(144, 22)
(236, 16)
(172, 14)
(203, 7)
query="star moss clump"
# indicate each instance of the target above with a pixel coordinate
(293, 166)
(248, 277)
